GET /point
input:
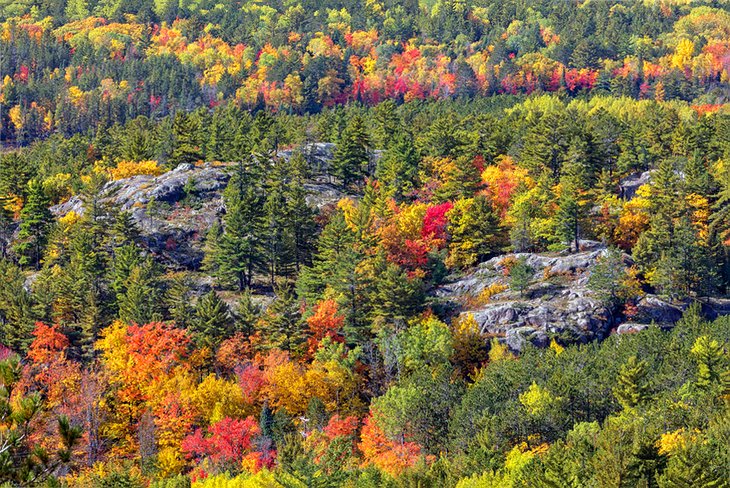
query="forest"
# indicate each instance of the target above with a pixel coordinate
(249, 244)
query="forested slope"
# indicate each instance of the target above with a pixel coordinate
(364, 244)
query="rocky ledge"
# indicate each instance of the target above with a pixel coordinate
(175, 210)
(557, 303)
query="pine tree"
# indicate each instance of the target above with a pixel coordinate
(139, 303)
(278, 245)
(352, 155)
(240, 250)
(246, 314)
(571, 206)
(396, 296)
(520, 275)
(301, 227)
(387, 123)
(16, 308)
(212, 321)
(35, 223)
(124, 231)
(7, 228)
(475, 230)
(186, 129)
(136, 142)
(334, 260)
(15, 172)
(281, 326)
(177, 300)
(631, 389)
(397, 169)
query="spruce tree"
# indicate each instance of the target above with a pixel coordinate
(281, 327)
(35, 223)
(277, 242)
(177, 300)
(246, 314)
(140, 301)
(397, 169)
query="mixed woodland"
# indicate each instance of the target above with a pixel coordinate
(309, 347)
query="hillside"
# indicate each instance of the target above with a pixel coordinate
(423, 243)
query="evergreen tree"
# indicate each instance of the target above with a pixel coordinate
(187, 149)
(475, 232)
(16, 312)
(240, 250)
(387, 123)
(397, 169)
(7, 228)
(278, 245)
(301, 227)
(139, 303)
(281, 325)
(212, 321)
(35, 223)
(631, 389)
(520, 275)
(177, 300)
(352, 155)
(246, 314)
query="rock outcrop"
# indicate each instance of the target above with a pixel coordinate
(173, 223)
(558, 302)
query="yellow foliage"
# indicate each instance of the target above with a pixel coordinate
(671, 442)
(682, 56)
(536, 400)
(262, 479)
(126, 169)
(557, 348)
(499, 352)
(68, 220)
(170, 462)
(489, 291)
(215, 398)
(16, 116)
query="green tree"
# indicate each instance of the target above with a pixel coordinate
(240, 251)
(35, 223)
(177, 300)
(213, 320)
(139, 303)
(476, 232)
(23, 461)
(352, 155)
(631, 389)
(186, 131)
(520, 275)
(281, 324)
(397, 169)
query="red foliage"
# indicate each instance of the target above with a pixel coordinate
(251, 379)
(228, 440)
(324, 322)
(338, 426)
(435, 222)
(48, 344)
